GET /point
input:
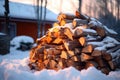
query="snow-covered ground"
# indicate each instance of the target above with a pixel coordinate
(14, 66)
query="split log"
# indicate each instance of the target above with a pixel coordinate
(70, 53)
(106, 56)
(41, 40)
(111, 64)
(40, 66)
(82, 41)
(68, 33)
(75, 58)
(46, 62)
(40, 50)
(44, 40)
(32, 52)
(61, 63)
(70, 62)
(64, 21)
(96, 53)
(64, 55)
(78, 33)
(71, 45)
(91, 64)
(84, 32)
(60, 47)
(36, 56)
(54, 34)
(53, 51)
(45, 56)
(79, 22)
(84, 26)
(50, 54)
(57, 47)
(67, 47)
(57, 52)
(100, 31)
(58, 41)
(88, 49)
(100, 61)
(85, 57)
(65, 16)
(105, 70)
(56, 24)
(81, 16)
(52, 64)
(77, 51)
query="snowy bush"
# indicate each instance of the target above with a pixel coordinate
(22, 42)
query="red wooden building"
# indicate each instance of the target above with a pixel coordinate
(26, 27)
(23, 20)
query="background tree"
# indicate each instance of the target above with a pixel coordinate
(6, 16)
(40, 15)
(80, 4)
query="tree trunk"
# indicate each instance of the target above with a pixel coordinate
(80, 5)
(6, 16)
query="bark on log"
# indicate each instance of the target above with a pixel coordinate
(77, 51)
(71, 45)
(75, 58)
(105, 70)
(100, 31)
(84, 32)
(85, 57)
(58, 41)
(79, 22)
(100, 61)
(91, 63)
(65, 16)
(111, 64)
(82, 41)
(68, 33)
(56, 24)
(96, 53)
(106, 56)
(88, 49)
(53, 64)
(81, 16)
(64, 21)
(71, 53)
(70, 62)
(64, 55)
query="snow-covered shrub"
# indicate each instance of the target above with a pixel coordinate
(22, 42)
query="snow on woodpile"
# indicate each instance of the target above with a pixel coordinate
(78, 41)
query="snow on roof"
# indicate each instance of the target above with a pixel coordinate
(1, 8)
(21, 9)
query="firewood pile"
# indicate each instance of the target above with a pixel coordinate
(75, 40)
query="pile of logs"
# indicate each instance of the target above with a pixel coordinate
(73, 42)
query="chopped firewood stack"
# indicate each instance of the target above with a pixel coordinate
(75, 40)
